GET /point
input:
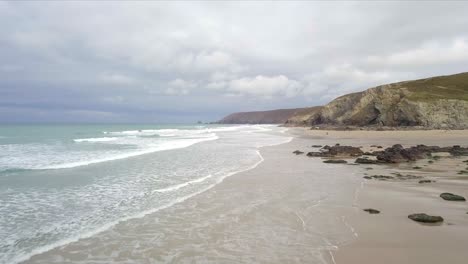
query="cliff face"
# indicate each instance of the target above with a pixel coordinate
(438, 102)
(262, 117)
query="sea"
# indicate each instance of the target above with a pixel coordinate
(63, 183)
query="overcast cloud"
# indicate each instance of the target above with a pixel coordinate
(187, 61)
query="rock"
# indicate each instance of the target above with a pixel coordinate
(397, 153)
(298, 152)
(425, 181)
(365, 161)
(336, 151)
(372, 211)
(452, 197)
(379, 177)
(424, 218)
(376, 146)
(345, 151)
(417, 167)
(369, 153)
(316, 146)
(335, 161)
(407, 177)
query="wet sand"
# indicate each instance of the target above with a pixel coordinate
(296, 209)
(390, 237)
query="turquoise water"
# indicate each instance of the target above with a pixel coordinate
(60, 183)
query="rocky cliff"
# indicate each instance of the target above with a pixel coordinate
(279, 116)
(437, 102)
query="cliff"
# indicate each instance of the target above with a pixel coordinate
(437, 102)
(279, 116)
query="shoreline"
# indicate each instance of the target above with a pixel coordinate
(293, 208)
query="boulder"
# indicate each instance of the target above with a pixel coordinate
(397, 153)
(452, 197)
(424, 218)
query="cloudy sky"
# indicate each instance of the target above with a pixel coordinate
(187, 61)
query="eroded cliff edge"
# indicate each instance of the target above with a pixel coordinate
(437, 102)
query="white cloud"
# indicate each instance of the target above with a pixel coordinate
(116, 79)
(430, 53)
(336, 80)
(265, 86)
(180, 87)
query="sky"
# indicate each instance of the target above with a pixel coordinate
(177, 62)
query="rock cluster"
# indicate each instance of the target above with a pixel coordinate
(337, 151)
(397, 153)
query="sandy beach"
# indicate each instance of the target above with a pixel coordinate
(390, 237)
(296, 209)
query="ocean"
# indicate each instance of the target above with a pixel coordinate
(62, 183)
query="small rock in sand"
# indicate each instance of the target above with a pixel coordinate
(372, 211)
(424, 218)
(365, 161)
(452, 197)
(316, 146)
(335, 161)
(425, 181)
(298, 152)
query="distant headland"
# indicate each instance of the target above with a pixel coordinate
(439, 102)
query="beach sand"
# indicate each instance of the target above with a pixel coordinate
(295, 209)
(390, 237)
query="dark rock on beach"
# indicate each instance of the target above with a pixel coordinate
(365, 161)
(452, 197)
(425, 181)
(335, 161)
(379, 177)
(424, 218)
(372, 211)
(337, 151)
(298, 152)
(316, 146)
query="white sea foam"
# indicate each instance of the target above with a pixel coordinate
(178, 186)
(63, 242)
(152, 148)
(103, 139)
(137, 199)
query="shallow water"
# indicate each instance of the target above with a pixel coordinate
(62, 183)
(289, 209)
